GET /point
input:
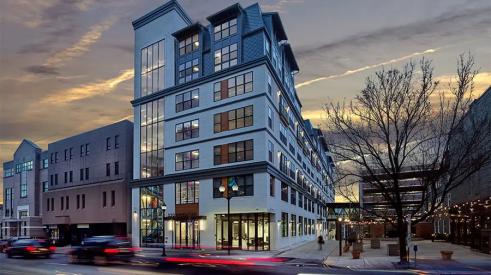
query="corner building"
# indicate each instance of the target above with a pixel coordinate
(216, 106)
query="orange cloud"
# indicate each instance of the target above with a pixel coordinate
(89, 90)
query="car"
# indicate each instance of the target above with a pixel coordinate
(29, 248)
(4, 244)
(102, 250)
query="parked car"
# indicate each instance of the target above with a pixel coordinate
(30, 248)
(102, 250)
(4, 244)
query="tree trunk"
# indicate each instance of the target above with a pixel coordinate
(401, 228)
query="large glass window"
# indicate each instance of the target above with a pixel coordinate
(187, 100)
(189, 44)
(284, 191)
(188, 71)
(152, 68)
(187, 192)
(226, 57)
(245, 183)
(187, 130)
(284, 224)
(225, 29)
(187, 160)
(294, 225)
(234, 152)
(23, 185)
(233, 86)
(233, 119)
(152, 139)
(151, 200)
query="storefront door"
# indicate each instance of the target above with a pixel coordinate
(187, 234)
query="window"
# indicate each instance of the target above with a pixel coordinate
(284, 192)
(56, 157)
(270, 151)
(233, 86)
(71, 152)
(187, 100)
(270, 89)
(81, 152)
(56, 179)
(116, 168)
(62, 203)
(113, 197)
(270, 118)
(9, 172)
(52, 204)
(152, 68)
(233, 152)
(234, 119)
(66, 154)
(293, 196)
(108, 169)
(283, 134)
(47, 205)
(104, 199)
(300, 200)
(187, 192)
(188, 71)
(187, 130)
(189, 44)
(116, 141)
(152, 139)
(67, 200)
(294, 225)
(108, 143)
(187, 160)
(283, 163)
(225, 29)
(245, 183)
(23, 185)
(78, 201)
(83, 200)
(81, 174)
(300, 225)
(284, 224)
(45, 186)
(272, 183)
(71, 176)
(65, 178)
(86, 173)
(226, 57)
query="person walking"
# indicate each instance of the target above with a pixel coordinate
(320, 241)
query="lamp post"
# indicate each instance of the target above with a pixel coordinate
(340, 237)
(228, 196)
(164, 207)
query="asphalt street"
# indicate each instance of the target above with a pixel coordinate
(58, 264)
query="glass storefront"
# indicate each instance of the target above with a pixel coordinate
(250, 231)
(186, 234)
(151, 215)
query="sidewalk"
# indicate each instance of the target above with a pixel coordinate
(428, 258)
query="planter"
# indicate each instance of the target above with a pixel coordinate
(358, 246)
(446, 255)
(375, 243)
(356, 254)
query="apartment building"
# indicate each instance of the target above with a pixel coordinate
(86, 190)
(216, 110)
(23, 178)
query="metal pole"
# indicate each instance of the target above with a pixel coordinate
(340, 239)
(229, 225)
(163, 231)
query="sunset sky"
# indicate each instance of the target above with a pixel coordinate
(67, 65)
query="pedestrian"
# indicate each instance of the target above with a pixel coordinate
(320, 241)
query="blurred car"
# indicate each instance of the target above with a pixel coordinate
(4, 244)
(102, 250)
(30, 248)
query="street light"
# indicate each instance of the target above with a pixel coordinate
(340, 235)
(228, 196)
(164, 207)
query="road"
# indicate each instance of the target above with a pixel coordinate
(58, 264)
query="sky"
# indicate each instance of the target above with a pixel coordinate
(66, 66)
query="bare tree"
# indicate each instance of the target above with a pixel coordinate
(404, 120)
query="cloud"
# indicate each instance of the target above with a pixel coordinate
(280, 5)
(41, 69)
(364, 68)
(90, 89)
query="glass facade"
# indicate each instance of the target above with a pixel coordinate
(250, 231)
(152, 139)
(152, 68)
(151, 200)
